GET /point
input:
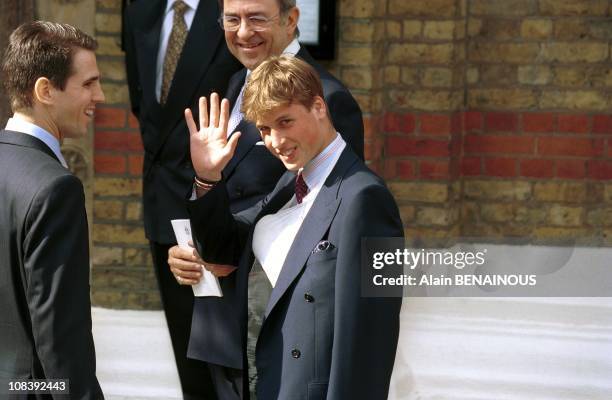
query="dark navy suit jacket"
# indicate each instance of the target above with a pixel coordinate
(205, 66)
(320, 339)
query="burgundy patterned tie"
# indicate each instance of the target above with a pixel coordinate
(301, 188)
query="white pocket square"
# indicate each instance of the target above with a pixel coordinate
(260, 143)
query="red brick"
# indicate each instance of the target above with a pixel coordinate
(599, 169)
(489, 144)
(368, 130)
(106, 117)
(392, 122)
(456, 144)
(561, 146)
(470, 166)
(133, 121)
(502, 167)
(405, 169)
(369, 151)
(109, 164)
(602, 124)
(435, 124)
(570, 169)
(389, 169)
(409, 123)
(118, 141)
(402, 146)
(473, 121)
(573, 123)
(135, 164)
(457, 123)
(455, 168)
(501, 122)
(538, 122)
(429, 169)
(537, 168)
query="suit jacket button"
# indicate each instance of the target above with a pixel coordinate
(308, 297)
(295, 353)
(239, 192)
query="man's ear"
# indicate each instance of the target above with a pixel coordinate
(319, 107)
(43, 89)
(293, 16)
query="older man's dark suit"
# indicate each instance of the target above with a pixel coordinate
(328, 341)
(205, 65)
(251, 174)
(45, 311)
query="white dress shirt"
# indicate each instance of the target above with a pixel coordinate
(166, 29)
(20, 125)
(274, 234)
(236, 116)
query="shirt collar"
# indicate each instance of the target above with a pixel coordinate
(311, 170)
(293, 48)
(193, 4)
(20, 125)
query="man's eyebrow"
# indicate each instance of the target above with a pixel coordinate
(283, 116)
(92, 79)
(247, 13)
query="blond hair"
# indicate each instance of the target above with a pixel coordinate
(280, 81)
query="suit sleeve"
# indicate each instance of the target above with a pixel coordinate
(347, 119)
(218, 235)
(366, 329)
(56, 259)
(131, 66)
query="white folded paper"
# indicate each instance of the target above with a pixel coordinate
(209, 284)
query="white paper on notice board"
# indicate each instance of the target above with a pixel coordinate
(309, 21)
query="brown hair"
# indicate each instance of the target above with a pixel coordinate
(40, 49)
(279, 81)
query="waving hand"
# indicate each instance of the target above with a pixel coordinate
(210, 148)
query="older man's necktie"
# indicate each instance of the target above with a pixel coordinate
(301, 188)
(175, 46)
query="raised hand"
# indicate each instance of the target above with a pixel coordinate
(210, 148)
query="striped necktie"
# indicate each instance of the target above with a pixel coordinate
(175, 46)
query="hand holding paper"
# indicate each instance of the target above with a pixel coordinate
(208, 284)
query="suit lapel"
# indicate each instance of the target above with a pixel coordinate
(234, 86)
(313, 228)
(25, 140)
(249, 134)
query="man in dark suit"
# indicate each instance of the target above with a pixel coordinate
(254, 31)
(52, 80)
(175, 53)
(316, 336)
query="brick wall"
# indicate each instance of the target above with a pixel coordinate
(487, 118)
(537, 144)
(491, 117)
(122, 274)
